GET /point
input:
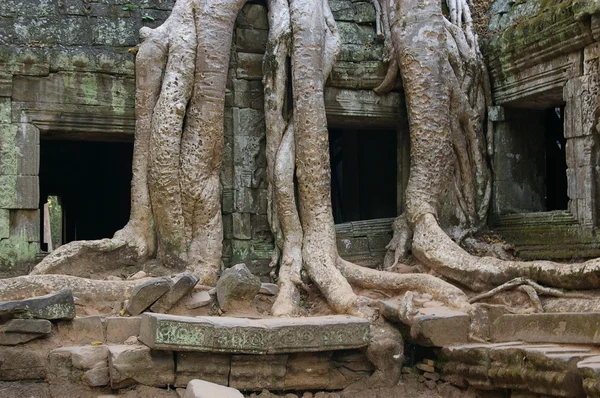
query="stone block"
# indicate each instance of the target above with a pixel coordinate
(253, 16)
(53, 306)
(260, 336)
(146, 294)
(257, 372)
(19, 192)
(41, 326)
(251, 40)
(206, 366)
(496, 113)
(22, 363)
(119, 329)
(10, 339)
(8, 149)
(248, 121)
(197, 300)
(82, 330)
(205, 389)
(249, 66)
(573, 328)
(25, 224)
(237, 287)
(242, 226)
(116, 32)
(353, 245)
(248, 94)
(5, 111)
(183, 284)
(28, 144)
(130, 365)
(75, 364)
(351, 33)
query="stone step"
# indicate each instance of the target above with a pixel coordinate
(569, 328)
(253, 336)
(548, 369)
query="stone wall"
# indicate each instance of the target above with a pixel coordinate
(67, 70)
(544, 54)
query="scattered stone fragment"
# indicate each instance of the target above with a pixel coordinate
(145, 294)
(17, 338)
(431, 384)
(131, 340)
(138, 275)
(237, 287)
(431, 376)
(59, 305)
(204, 389)
(36, 326)
(425, 368)
(197, 300)
(429, 362)
(270, 289)
(184, 283)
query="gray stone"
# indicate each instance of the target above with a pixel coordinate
(130, 365)
(198, 299)
(237, 287)
(253, 336)
(17, 338)
(59, 305)
(205, 389)
(119, 329)
(41, 326)
(83, 330)
(75, 364)
(573, 328)
(184, 283)
(249, 66)
(270, 289)
(425, 368)
(145, 294)
(22, 363)
(97, 377)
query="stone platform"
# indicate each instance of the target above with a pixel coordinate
(253, 336)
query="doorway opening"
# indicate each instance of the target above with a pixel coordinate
(363, 174)
(91, 183)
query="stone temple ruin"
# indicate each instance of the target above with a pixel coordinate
(67, 122)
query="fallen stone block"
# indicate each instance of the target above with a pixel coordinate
(119, 329)
(570, 328)
(146, 294)
(17, 338)
(205, 389)
(130, 365)
(197, 300)
(253, 336)
(35, 326)
(53, 306)
(237, 287)
(184, 283)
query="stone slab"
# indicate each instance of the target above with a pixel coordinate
(253, 336)
(184, 283)
(41, 326)
(572, 328)
(130, 365)
(53, 306)
(146, 294)
(205, 389)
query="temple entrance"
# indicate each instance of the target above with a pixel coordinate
(91, 181)
(363, 173)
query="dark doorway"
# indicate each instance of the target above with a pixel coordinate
(92, 180)
(363, 173)
(556, 160)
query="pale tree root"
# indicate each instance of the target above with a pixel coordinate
(399, 247)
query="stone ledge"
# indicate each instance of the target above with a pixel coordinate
(253, 336)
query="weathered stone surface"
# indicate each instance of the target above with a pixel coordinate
(572, 328)
(270, 289)
(59, 305)
(184, 283)
(17, 338)
(205, 366)
(119, 329)
(83, 330)
(129, 365)
(237, 287)
(249, 66)
(260, 336)
(589, 369)
(22, 363)
(144, 295)
(198, 299)
(542, 369)
(41, 326)
(205, 389)
(75, 364)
